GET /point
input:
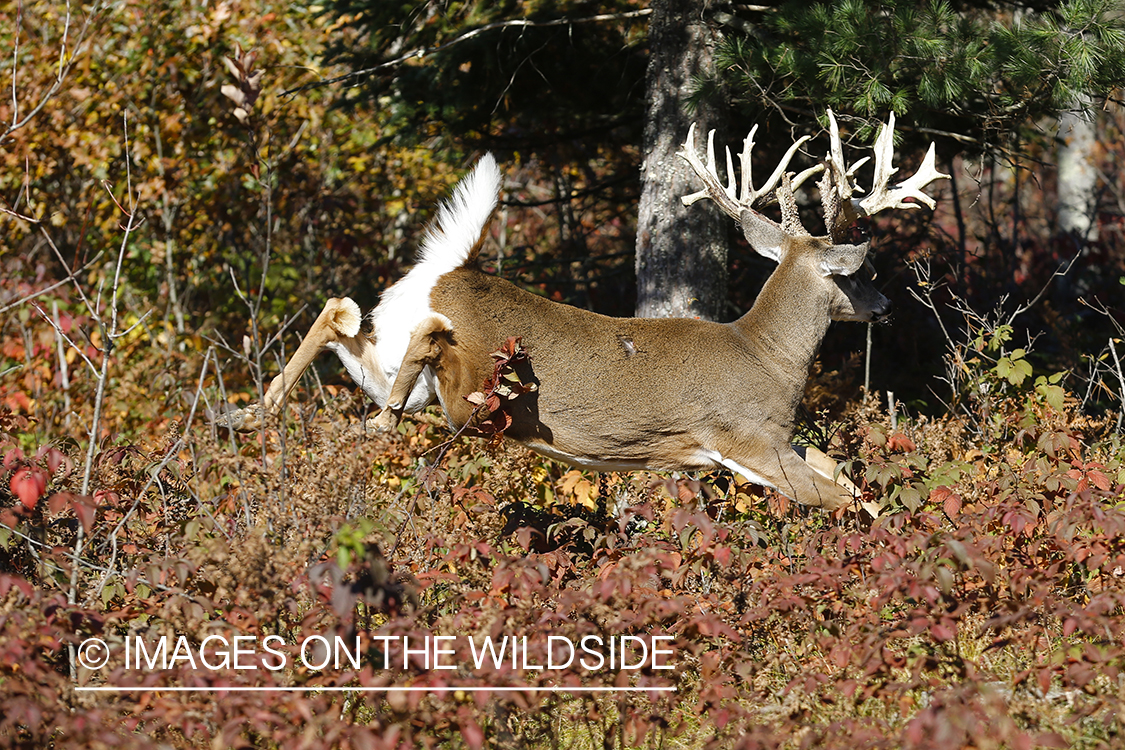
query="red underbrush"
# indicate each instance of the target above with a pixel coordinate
(377, 579)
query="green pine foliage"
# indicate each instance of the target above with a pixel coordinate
(969, 69)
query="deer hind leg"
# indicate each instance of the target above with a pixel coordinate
(423, 350)
(338, 322)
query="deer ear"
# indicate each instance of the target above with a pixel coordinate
(763, 235)
(843, 260)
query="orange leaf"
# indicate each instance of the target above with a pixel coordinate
(900, 442)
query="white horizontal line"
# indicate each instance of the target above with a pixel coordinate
(335, 689)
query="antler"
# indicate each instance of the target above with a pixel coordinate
(732, 201)
(837, 186)
(882, 196)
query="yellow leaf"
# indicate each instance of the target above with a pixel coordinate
(583, 490)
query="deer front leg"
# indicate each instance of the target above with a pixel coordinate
(826, 466)
(812, 483)
(809, 482)
(422, 350)
(339, 320)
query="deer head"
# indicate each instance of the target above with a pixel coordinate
(835, 260)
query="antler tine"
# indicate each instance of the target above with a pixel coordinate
(747, 167)
(836, 159)
(840, 211)
(883, 197)
(836, 149)
(800, 178)
(771, 183)
(775, 178)
(748, 195)
(713, 188)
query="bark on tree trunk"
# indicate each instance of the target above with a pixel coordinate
(681, 253)
(1078, 197)
(1078, 175)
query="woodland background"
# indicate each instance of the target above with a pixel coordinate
(177, 202)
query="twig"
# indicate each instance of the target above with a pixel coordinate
(91, 308)
(1062, 270)
(153, 474)
(99, 394)
(63, 337)
(18, 215)
(60, 78)
(1120, 380)
(79, 562)
(16, 62)
(442, 450)
(867, 366)
(71, 276)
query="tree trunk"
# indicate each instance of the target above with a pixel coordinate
(681, 251)
(1078, 197)
(1078, 175)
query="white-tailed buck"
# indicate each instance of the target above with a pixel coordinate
(620, 394)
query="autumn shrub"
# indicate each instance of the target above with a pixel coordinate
(983, 607)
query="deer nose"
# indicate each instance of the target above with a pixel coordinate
(881, 311)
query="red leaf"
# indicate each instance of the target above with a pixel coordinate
(1051, 739)
(84, 508)
(58, 501)
(1080, 674)
(942, 632)
(28, 485)
(471, 732)
(1100, 480)
(55, 459)
(102, 497)
(10, 458)
(722, 556)
(952, 505)
(1044, 678)
(8, 581)
(900, 442)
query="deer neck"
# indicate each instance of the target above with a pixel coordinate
(789, 320)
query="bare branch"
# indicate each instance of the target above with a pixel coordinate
(65, 67)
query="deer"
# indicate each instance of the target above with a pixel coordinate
(628, 394)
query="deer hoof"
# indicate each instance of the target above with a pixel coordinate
(241, 420)
(384, 421)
